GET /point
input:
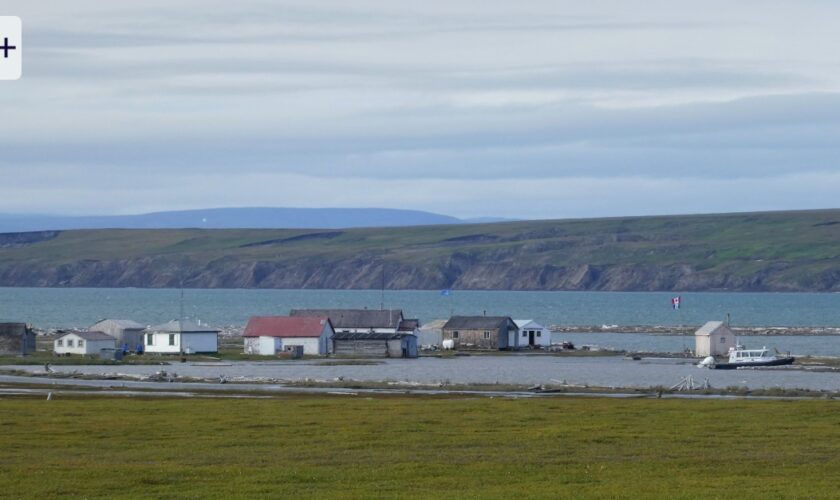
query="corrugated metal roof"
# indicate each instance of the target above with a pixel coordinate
(709, 328)
(124, 324)
(477, 322)
(356, 318)
(187, 326)
(369, 336)
(285, 326)
(93, 335)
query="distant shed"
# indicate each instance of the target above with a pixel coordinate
(713, 339)
(16, 339)
(127, 332)
(375, 345)
(482, 332)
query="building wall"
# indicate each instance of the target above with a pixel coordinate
(183, 342)
(89, 346)
(311, 345)
(365, 348)
(251, 345)
(16, 339)
(716, 344)
(542, 340)
(366, 330)
(201, 342)
(475, 339)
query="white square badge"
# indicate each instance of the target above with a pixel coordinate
(11, 48)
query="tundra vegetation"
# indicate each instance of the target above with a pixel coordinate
(771, 251)
(362, 447)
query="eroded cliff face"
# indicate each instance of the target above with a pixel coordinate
(360, 273)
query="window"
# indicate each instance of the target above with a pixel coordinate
(454, 335)
(171, 339)
(723, 340)
(150, 339)
(81, 343)
(539, 334)
(486, 335)
(69, 342)
(524, 333)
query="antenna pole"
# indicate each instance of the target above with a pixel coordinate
(382, 296)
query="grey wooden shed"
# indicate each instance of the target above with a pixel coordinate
(375, 345)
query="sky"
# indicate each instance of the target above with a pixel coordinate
(527, 109)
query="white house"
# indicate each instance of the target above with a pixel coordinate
(83, 343)
(713, 339)
(185, 337)
(268, 335)
(532, 334)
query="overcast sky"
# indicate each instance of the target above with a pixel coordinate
(522, 109)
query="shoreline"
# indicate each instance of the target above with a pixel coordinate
(688, 331)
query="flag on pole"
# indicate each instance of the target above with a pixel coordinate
(675, 302)
(446, 293)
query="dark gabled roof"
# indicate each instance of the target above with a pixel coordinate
(286, 326)
(369, 336)
(477, 322)
(88, 335)
(356, 318)
(409, 325)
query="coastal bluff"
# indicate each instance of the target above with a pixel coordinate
(770, 251)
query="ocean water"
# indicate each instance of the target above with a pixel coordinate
(80, 307)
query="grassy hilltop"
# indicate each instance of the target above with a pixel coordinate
(772, 251)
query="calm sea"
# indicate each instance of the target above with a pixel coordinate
(79, 307)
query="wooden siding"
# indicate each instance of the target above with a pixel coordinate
(366, 348)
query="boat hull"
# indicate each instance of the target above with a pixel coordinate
(775, 362)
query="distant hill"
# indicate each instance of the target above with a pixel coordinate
(232, 218)
(772, 251)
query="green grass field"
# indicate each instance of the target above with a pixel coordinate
(359, 447)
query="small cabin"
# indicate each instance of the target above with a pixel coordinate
(84, 343)
(375, 345)
(16, 339)
(532, 334)
(482, 332)
(270, 335)
(713, 339)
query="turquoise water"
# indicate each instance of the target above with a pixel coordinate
(80, 307)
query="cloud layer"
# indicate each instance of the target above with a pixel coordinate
(533, 109)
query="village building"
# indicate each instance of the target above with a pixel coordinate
(482, 332)
(358, 320)
(375, 345)
(84, 343)
(269, 335)
(129, 334)
(532, 334)
(713, 339)
(187, 337)
(16, 339)
(430, 334)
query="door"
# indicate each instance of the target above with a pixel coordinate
(530, 337)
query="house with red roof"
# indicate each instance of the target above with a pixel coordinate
(268, 335)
